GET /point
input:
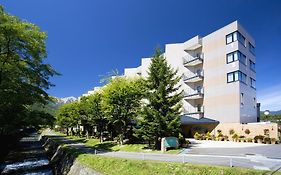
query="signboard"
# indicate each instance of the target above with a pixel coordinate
(168, 142)
(171, 142)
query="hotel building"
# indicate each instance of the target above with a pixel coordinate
(218, 77)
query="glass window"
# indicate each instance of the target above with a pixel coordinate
(230, 77)
(236, 76)
(234, 37)
(251, 48)
(241, 38)
(242, 99)
(228, 38)
(253, 83)
(234, 56)
(252, 65)
(229, 58)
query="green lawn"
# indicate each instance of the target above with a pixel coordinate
(113, 146)
(117, 166)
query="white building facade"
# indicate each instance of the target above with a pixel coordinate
(218, 76)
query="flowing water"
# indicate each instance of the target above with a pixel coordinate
(28, 158)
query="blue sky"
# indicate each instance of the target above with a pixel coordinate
(89, 38)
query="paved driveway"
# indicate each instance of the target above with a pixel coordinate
(204, 147)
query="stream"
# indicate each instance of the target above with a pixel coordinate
(28, 158)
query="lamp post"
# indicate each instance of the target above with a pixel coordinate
(266, 113)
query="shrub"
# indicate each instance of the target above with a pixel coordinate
(273, 140)
(208, 136)
(219, 131)
(258, 137)
(249, 139)
(247, 131)
(182, 141)
(267, 140)
(220, 135)
(235, 137)
(197, 136)
(225, 138)
(231, 132)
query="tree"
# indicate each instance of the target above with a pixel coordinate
(68, 116)
(120, 102)
(92, 109)
(160, 116)
(24, 76)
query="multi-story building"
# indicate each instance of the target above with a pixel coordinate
(218, 76)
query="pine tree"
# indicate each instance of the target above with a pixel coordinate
(160, 116)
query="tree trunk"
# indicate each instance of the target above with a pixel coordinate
(67, 132)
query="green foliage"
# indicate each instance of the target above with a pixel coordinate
(247, 131)
(92, 112)
(68, 115)
(231, 131)
(121, 101)
(24, 76)
(273, 118)
(160, 116)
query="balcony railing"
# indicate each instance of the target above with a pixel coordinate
(193, 60)
(194, 77)
(193, 95)
(196, 112)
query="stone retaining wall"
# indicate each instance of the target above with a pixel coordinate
(62, 161)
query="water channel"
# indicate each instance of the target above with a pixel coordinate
(27, 158)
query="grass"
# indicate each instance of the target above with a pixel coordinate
(116, 166)
(113, 146)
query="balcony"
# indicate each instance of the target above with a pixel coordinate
(195, 77)
(196, 112)
(192, 44)
(190, 60)
(194, 95)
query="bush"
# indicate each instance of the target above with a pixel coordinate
(249, 139)
(235, 137)
(258, 137)
(247, 131)
(231, 132)
(273, 140)
(208, 136)
(197, 136)
(225, 138)
(267, 140)
(182, 141)
(219, 131)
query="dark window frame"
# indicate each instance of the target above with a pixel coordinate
(239, 57)
(240, 77)
(239, 35)
(251, 63)
(251, 82)
(252, 48)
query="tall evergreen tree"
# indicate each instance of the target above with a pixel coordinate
(160, 116)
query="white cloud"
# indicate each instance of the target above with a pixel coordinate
(270, 98)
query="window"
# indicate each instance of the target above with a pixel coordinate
(234, 37)
(234, 56)
(253, 83)
(252, 66)
(251, 48)
(236, 76)
(242, 99)
(255, 102)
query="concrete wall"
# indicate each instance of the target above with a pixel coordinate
(255, 129)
